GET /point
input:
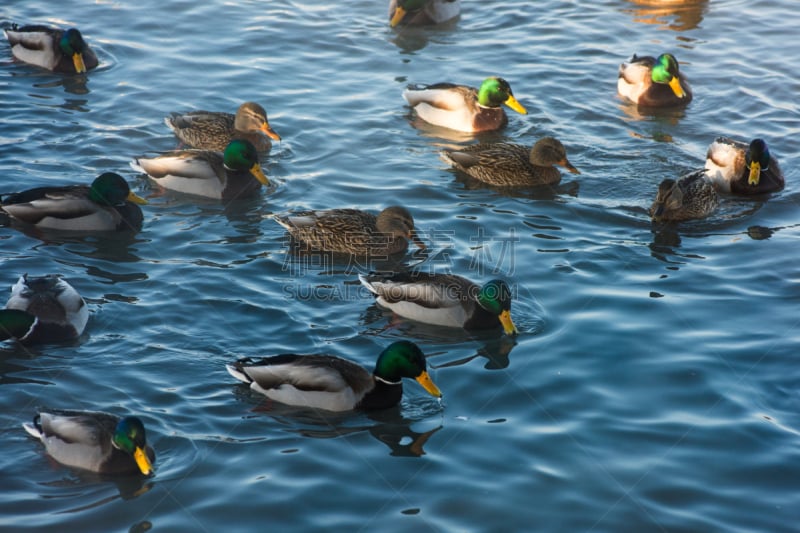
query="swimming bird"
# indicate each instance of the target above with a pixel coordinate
(51, 48)
(444, 299)
(43, 309)
(235, 173)
(511, 165)
(736, 167)
(653, 82)
(691, 196)
(99, 442)
(352, 231)
(108, 204)
(422, 12)
(464, 108)
(212, 130)
(336, 384)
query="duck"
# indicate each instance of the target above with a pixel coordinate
(108, 204)
(213, 130)
(352, 231)
(512, 165)
(736, 167)
(653, 81)
(422, 12)
(94, 441)
(51, 48)
(464, 108)
(691, 196)
(323, 381)
(443, 299)
(43, 309)
(233, 174)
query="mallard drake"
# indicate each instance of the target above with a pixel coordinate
(336, 384)
(511, 165)
(653, 82)
(464, 108)
(235, 173)
(52, 48)
(211, 130)
(43, 309)
(108, 204)
(691, 196)
(444, 299)
(99, 442)
(422, 12)
(738, 168)
(352, 231)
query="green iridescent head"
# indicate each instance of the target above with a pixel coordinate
(241, 156)
(111, 189)
(495, 297)
(404, 359)
(129, 437)
(73, 46)
(757, 159)
(494, 92)
(15, 324)
(666, 71)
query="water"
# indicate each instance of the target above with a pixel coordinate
(652, 388)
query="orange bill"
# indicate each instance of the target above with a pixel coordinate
(399, 14)
(566, 164)
(425, 380)
(508, 325)
(675, 85)
(269, 132)
(755, 173)
(142, 461)
(77, 60)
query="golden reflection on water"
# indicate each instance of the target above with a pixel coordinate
(676, 15)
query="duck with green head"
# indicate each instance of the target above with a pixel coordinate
(512, 165)
(444, 299)
(51, 48)
(422, 12)
(94, 441)
(336, 384)
(212, 130)
(108, 204)
(690, 197)
(736, 167)
(653, 81)
(43, 309)
(229, 175)
(464, 108)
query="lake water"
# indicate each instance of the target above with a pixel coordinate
(653, 386)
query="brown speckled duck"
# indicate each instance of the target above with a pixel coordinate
(512, 165)
(691, 196)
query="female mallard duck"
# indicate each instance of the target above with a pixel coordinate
(51, 48)
(654, 82)
(99, 442)
(351, 231)
(233, 174)
(444, 299)
(211, 130)
(43, 309)
(692, 196)
(108, 204)
(422, 12)
(734, 167)
(463, 108)
(512, 165)
(336, 384)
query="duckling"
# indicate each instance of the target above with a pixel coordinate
(234, 174)
(736, 167)
(212, 130)
(422, 12)
(336, 384)
(352, 231)
(108, 204)
(43, 309)
(691, 196)
(51, 48)
(512, 165)
(444, 299)
(99, 442)
(464, 108)
(653, 82)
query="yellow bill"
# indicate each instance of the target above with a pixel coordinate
(142, 461)
(508, 325)
(516, 106)
(77, 60)
(755, 173)
(425, 380)
(135, 198)
(256, 171)
(675, 85)
(399, 14)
